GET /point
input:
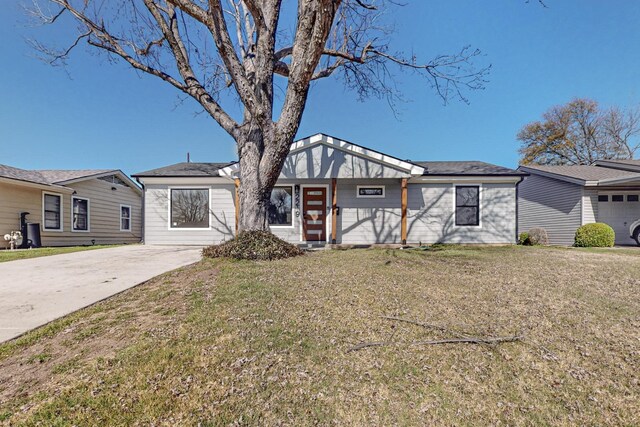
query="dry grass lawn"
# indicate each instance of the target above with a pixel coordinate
(244, 343)
(9, 255)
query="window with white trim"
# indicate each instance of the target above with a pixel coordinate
(189, 208)
(52, 212)
(79, 214)
(125, 218)
(281, 206)
(468, 205)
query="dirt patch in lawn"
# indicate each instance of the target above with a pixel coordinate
(154, 309)
(267, 343)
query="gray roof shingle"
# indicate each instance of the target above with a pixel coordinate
(584, 172)
(22, 175)
(61, 176)
(186, 169)
(431, 168)
(49, 177)
(471, 167)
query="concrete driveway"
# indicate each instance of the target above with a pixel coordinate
(38, 290)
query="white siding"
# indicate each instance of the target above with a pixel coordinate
(321, 162)
(589, 206)
(222, 218)
(551, 204)
(369, 220)
(431, 215)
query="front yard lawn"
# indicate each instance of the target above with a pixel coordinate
(8, 255)
(244, 343)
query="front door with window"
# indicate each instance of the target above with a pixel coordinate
(314, 213)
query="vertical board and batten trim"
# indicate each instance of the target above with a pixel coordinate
(551, 204)
(334, 210)
(403, 214)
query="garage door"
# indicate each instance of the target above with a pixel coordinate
(619, 210)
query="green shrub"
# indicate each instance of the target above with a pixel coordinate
(538, 236)
(523, 239)
(253, 245)
(596, 235)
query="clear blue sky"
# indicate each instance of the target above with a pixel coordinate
(108, 116)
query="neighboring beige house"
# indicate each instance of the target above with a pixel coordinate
(73, 207)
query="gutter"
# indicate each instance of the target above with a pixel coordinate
(517, 207)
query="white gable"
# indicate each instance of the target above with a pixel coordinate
(323, 157)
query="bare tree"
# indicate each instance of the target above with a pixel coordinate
(579, 133)
(218, 50)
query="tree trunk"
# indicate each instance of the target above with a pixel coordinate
(255, 184)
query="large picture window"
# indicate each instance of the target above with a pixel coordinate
(280, 206)
(52, 212)
(80, 214)
(468, 205)
(190, 208)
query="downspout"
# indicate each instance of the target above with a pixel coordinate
(142, 215)
(517, 208)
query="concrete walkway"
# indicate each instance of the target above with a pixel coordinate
(38, 290)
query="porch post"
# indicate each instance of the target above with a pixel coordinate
(237, 204)
(334, 210)
(403, 223)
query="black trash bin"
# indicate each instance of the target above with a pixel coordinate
(33, 233)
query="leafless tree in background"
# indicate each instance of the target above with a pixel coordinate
(579, 133)
(218, 51)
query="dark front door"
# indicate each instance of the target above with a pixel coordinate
(314, 214)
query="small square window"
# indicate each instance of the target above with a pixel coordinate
(603, 198)
(632, 198)
(617, 198)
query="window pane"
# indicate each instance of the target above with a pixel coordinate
(467, 196)
(467, 216)
(467, 205)
(190, 208)
(80, 214)
(603, 198)
(125, 215)
(52, 211)
(617, 198)
(632, 198)
(280, 206)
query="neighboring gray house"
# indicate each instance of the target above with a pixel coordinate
(562, 198)
(333, 191)
(73, 207)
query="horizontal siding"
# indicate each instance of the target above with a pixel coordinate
(104, 213)
(13, 200)
(369, 220)
(222, 219)
(431, 215)
(589, 206)
(551, 204)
